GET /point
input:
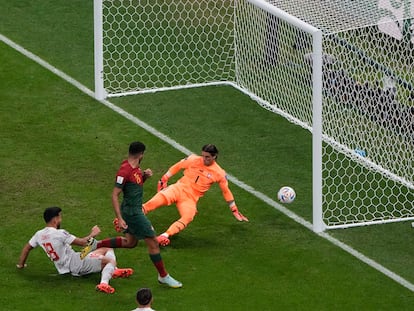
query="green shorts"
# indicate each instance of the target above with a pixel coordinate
(139, 226)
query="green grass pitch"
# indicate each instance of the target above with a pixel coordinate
(61, 147)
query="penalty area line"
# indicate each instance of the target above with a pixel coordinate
(370, 262)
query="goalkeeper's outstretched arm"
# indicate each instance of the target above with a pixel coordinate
(228, 196)
(233, 207)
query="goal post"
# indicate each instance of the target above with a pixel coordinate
(98, 50)
(340, 69)
(317, 131)
(315, 124)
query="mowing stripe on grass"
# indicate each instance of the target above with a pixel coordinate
(233, 179)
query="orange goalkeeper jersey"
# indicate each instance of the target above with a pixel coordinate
(200, 177)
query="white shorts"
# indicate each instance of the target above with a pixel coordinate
(90, 264)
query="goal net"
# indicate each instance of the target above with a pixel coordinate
(150, 45)
(341, 69)
(367, 108)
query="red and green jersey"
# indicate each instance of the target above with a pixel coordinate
(131, 181)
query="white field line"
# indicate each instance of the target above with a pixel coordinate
(233, 179)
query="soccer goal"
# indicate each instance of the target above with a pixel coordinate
(341, 69)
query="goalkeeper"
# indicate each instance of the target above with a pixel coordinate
(200, 172)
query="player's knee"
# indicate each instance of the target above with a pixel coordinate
(129, 242)
(113, 261)
(106, 260)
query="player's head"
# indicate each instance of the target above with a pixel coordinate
(209, 153)
(50, 213)
(211, 149)
(144, 296)
(136, 150)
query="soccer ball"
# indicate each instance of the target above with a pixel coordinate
(286, 194)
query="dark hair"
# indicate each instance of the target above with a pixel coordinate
(136, 148)
(51, 212)
(211, 149)
(144, 296)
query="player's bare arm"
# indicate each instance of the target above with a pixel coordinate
(84, 241)
(116, 192)
(23, 256)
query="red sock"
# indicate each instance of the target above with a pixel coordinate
(159, 264)
(110, 242)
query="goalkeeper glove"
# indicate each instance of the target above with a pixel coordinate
(162, 183)
(239, 216)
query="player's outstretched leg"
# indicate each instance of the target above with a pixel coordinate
(170, 281)
(179, 225)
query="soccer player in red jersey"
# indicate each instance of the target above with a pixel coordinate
(200, 173)
(129, 215)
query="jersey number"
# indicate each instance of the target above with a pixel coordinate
(50, 251)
